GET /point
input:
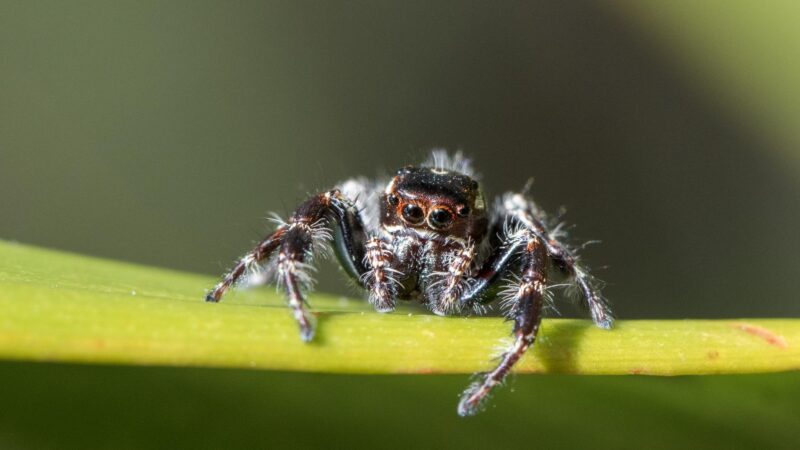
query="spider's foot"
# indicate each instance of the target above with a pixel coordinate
(306, 334)
(473, 399)
(384, 308)
(439, 312)
(602, 317)
(307, 323)
(443, 309)
(213, 297)
(605, 324)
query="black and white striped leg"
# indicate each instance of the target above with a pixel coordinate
(525, 213)
(293, 272)
(380, 279)
(597, 304)
(453, 281)
(526, 311)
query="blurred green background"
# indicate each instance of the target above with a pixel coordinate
(163, 133)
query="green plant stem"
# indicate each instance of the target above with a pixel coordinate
(56, 306)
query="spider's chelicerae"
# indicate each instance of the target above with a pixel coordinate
(428, 235)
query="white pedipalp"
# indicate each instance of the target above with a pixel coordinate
(445, 292)
(381, 279)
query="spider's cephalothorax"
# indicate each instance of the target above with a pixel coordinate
(433, 202)
(427, 235)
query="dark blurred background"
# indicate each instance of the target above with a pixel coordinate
(164, 132)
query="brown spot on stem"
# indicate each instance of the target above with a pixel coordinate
(637, 371)
(763, 333)
(713, 354)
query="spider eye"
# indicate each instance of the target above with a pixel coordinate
(463, 211)
(413, 214)
(440, 218)
(393, 200)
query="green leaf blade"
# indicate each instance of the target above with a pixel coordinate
(67, 308)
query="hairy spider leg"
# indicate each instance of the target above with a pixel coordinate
(526, 299)
(525, 212)
(306, 232)
(254, 257)
(380, 278)
(452, 279)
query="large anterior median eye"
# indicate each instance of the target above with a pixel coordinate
(413, 214)
(440, 218)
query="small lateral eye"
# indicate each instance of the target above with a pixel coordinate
(440, 218)
(463, 211)
(413, 214)
(393, 200)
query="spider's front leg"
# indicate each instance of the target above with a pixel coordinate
(523, 211)
(526, 300)
(526, 235)
(306, 231)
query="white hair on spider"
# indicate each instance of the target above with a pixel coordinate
(441, 160)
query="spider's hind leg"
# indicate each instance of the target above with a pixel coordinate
(524, 212)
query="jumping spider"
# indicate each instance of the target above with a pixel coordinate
(427, 236)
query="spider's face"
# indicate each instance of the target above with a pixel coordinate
(429, 199)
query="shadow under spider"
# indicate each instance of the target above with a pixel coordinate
(558, 344)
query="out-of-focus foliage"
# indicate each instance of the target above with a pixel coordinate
(164, 133)
(743, 54)
(58, 407)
